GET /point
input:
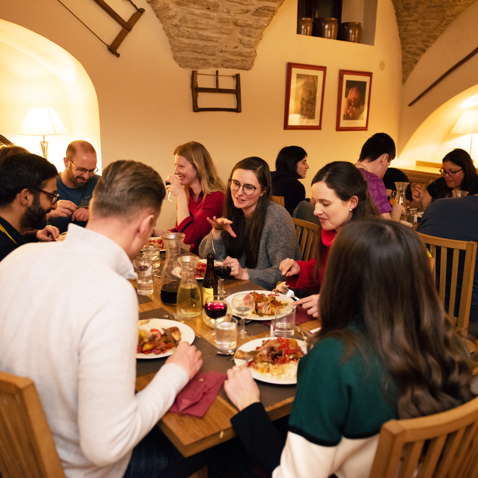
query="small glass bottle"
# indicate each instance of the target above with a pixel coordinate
(189, 304)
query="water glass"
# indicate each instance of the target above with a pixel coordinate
(284, 326)
(226, 335)
(144, 271)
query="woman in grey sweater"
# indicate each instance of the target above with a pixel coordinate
(256, 234)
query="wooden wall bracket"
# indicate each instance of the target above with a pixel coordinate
(196, 89)
(127, 26)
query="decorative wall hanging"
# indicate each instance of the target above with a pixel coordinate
(196, 89)
(353, 104)
(304, 96)
(127, 25)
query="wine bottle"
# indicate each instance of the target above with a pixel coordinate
(209, 283)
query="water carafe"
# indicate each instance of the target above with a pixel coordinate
(189, 303)
(169, 283)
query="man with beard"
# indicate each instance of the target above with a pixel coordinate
(27, 193)
(75, 186)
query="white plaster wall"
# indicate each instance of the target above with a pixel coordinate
(434, 110)
(145, 101)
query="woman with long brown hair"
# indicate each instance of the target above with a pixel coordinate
(339, 195)
(246, 237)
(198, 190)
(386, 350)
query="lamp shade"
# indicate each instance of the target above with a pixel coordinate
(42, 122)
(467, 123)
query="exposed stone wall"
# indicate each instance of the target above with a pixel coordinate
(420, 23)
(215, 33)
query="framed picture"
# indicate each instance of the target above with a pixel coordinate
(353, 104)
(304, 96)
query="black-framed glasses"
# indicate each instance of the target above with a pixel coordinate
(84, 170)
(52, 196)
(449, 172)
(248, 189)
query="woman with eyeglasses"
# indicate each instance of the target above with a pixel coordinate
(198, 189)
(386, 350)
(458, 173)
(255, 234)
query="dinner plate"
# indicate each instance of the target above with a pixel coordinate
(158, 242)
(283, 298)
(187, 334)
(267, 377)
(198, 276)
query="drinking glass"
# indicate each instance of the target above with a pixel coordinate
(144, 271)
(243, 306)
(214, 309)
(222, 272)
(284, 326)
(226, 335)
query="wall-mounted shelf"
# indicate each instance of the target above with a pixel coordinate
(356, 11)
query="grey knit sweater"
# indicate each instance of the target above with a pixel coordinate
(278, 241)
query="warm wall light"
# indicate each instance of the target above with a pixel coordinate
(42, 122)
(466, 124)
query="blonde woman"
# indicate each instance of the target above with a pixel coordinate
(198, 190)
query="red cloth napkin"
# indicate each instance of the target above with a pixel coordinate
(301, 316)
(197, 396)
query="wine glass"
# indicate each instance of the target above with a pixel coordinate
(215, 308)
(222, 272)
(242, 306)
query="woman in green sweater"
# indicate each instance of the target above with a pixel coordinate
(385, 351)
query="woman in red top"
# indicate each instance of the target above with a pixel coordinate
(198, 190)
(340, 195)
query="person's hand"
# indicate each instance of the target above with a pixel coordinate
(417, 191)
(64, 208)
(397, 211)
(310, 304)
(188, 357)
(48, 233)
(289, 267)
(81, 215)
(241, 388)
(222, 224)
(174, 186)
(236, 270)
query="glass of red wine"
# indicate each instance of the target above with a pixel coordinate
(222, 272)
(215, 309)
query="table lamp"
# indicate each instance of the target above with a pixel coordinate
(42, 121)
(467, 123)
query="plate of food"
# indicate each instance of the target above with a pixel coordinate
(272, 359)
(157, 242)
(159, 338)
(267, 305)
(200, 272)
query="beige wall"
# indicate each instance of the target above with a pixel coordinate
(145, 101)
(424, 127)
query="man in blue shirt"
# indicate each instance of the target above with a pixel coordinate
(456, 219)
(75, 185)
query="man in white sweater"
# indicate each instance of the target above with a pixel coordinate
(68, 320)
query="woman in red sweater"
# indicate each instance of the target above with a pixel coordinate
(340, 195)
(198, 190)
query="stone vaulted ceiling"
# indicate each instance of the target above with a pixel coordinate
(215, 33)
(420, 23)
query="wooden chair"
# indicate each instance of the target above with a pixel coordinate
(443, 445)
(454, 269)
(278, 200)
(26, 443)
(307, 235)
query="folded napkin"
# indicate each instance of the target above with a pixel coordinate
(197, 396)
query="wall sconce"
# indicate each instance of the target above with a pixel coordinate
(42, 122)
(466, 124)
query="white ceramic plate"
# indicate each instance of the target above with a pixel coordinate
(283, 298)
(187, 334)
(267, 377)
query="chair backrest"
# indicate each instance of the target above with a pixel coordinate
(454, 272)
(27, 447)
(443, 445)
(307, 235)
(278, 200)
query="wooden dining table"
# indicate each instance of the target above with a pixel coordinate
(189, 434)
